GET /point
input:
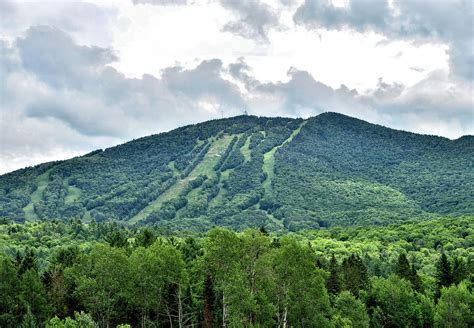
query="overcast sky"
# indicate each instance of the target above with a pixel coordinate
(80, 75)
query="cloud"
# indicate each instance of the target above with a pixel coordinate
(59, 98)
(85, 21)
(254, 19)
(56, 94)
(161, 2)
(449, 22)
(57, 60)
(251, 19)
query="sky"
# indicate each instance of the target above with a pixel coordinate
(76, 76)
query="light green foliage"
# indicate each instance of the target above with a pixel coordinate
(350, 312)
(150, 277)
(455, 308)
(101, 279)
(299, 287)
(33, 296)
(36, 196)
(81, 320)
(399, 304)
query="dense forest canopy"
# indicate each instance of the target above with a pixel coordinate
(243, 172)
(245, 222)
(71, 274)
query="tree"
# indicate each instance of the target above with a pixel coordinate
(459, 271)
(402, 268)
(351, 310)
(221, 261)
(455, 307)
(443, 274)
(29, 320)
(300, 295)
(355, 274)
(145, 238)
(398, 303)
(147, 282)
(117, 238)
(33, 295)
(333, 284)
(102, 279)
(407, 272)
(81, 320)
(9, 291)
(208, 302)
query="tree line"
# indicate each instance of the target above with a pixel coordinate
(226, 279)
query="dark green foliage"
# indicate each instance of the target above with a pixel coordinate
(355, 274)
(33, 296)
(407, 272)
(443, 274)
(235, 158)
(345, 171)
(145, 238)
(334, 170)
(333, 284)
(10, 306)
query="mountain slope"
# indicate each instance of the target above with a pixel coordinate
(252, 171)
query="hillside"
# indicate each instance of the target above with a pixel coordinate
(246, 171)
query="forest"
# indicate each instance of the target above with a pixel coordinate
(246, 172)
(244, 222)
(67, 273)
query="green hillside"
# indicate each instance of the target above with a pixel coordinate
(246, 171)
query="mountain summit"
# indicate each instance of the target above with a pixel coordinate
(249, 171)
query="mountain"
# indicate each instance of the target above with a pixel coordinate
(248, 171)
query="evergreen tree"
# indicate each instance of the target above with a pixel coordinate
(333, 283)
(29, 320)
(146, 238)
(407, 272)
(402, 268)
(9, 298)
(355, 274)
(208, 302)
(459, 271)
(26, 262)
(415, 279)
(33, 295)
(117, 239)
(443, 274)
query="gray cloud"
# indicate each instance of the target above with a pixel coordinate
(59, 98)
(161, 2)
(449, 22)
(88, 23)
(254, 18)
(54, 51)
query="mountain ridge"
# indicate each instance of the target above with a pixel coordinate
(282, 173)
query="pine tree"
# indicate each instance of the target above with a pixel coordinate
(459, 272)
(33, 295)
(402, 268)
(208, 302)
(407, 272)
(415, 279)
(29, 320)
(333, 283)
(443, 274)
(355, 274)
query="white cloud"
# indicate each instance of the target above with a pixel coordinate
(78, 76)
